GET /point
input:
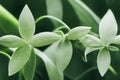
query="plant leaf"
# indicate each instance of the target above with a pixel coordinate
(78, 32)
(89, 50)
(8, 23)
(53, 72)
(63, 54)
(90, 41)
(116, 40)
(44, 38)
(55, 11)
(108, 28)
(29, 68)
(103, 61)
(26, 24)
(19, 59)
(11, 41)
(85, 13)
(113, 48)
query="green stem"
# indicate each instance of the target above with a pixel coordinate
(54, 18)
(5, 54)
(20, 75)
(84, 73)
(113, 70)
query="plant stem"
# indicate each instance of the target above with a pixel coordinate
(113, 70)
(20, 75)
(54, 18)
(84, 73)
(5, 54)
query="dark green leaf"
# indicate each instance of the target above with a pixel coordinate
(85, 14)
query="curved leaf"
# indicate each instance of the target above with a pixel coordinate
(19, 59)
(8, 23)
(78, 32)
(90, 41)
(26, 24)
(85, 13)
(89, 50)
(53, 72)
(29, 68)
(63, 54)
(44, 38)
(108, 28)
(103, 61)
(11, 41)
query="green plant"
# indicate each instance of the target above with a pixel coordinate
(62, 42)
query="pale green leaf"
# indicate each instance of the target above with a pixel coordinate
(19, 59)
(55, 8)
(44, 38)
(90, 41)
(108, 28)
(89, 50)
(116, 40)
(85, 14)
(63, 54)
(53, 72)
(29, 68)
(78, 32)
(26, 24)
(113, 48)
(103, 61)
(11, 41)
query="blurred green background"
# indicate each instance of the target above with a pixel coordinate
(77, 66)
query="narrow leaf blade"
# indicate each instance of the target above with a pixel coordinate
(85, 13)
(19, 59)
(108, 28)
(11, 41)
(103, 61)
(26, 24)
(53, 72)
(44, 38)
(29, 68)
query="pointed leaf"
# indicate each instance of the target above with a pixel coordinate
(63, 54)
(85, 14)
(103, 61)
(108, 28)
(113, 48)
(90, 41)
(44, 38)
(19, 59)
(89, 50)
(78, 32)
(11, 41)
(53, 72)
(29, 68)
(26, 24)
(116, 40)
